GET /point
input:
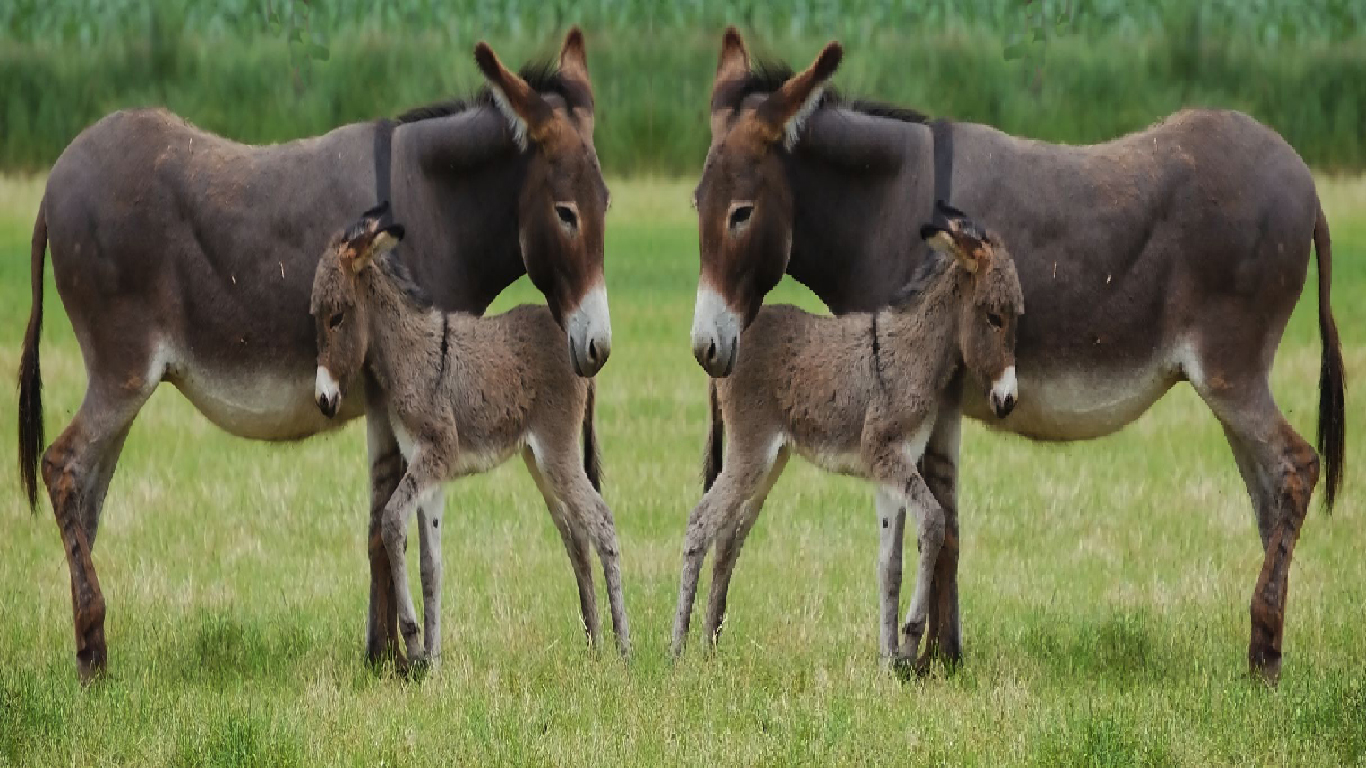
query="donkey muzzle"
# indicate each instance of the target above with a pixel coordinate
(715, 334)
(1004, 393)
(590, 333)
(327, 393)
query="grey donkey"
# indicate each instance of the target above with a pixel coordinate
(860, 394)
(464, 394)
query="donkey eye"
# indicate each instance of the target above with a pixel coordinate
(740, 214)
(567, 216)
(335, 320)
(995, 320)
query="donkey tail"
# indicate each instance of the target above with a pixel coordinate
(716, 438)
(31, 439)
(592, 452)
(1332, 389)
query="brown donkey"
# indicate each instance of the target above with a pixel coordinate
(861, 394)
(1191, 256)
(464, 394)
(169, 259)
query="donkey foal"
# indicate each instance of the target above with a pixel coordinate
(860, 394)
(464, 394)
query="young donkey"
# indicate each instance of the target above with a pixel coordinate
(464, 394)
(859, 394)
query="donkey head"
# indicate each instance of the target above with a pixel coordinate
(990, 309)
(744, 201)
(564, 199)
(340, 315)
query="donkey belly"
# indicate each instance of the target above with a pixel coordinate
(260, 402)
(1077, 405)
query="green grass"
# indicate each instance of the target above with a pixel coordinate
(1105, 586)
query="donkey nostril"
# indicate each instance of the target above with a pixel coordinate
(592, 351)
(711, 352)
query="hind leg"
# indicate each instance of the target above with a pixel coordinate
(728, 543)
(575, 545)
(745, 469)
(587, 513)
(1280, 469)
(77, 469)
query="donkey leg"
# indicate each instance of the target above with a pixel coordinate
(429, 538)
(417, 482)
(944, 637)
(386, 468)
(575, 545)
(1286, 471)
(718, 506)
(892, 519)
(588, 510)
(930, 536)
(77, 469)
(728, 543)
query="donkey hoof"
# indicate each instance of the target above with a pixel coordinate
(414, 669)
(91, 667)
(1265, 665)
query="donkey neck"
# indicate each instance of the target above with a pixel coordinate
(850, 171)
(406, 334)
(456, 184)
(923, 331)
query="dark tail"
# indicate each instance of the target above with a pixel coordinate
(716, 438)
(592, 453)
(1332, 389)
(31, 440)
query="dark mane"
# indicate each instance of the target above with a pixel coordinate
(542, 76)
(392, 267)
(768, 76)
(930, 270)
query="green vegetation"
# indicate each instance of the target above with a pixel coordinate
(271, 70)
(1105, 586)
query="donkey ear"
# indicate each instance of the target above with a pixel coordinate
(386, 240)
(573, 60)
(734, 61)
(784, 112)
(945, 241)
(528, 113)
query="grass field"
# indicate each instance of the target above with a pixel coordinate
(1105, 586)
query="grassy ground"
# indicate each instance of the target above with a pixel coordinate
(1105, 586)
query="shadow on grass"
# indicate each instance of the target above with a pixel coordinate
(1120, 648)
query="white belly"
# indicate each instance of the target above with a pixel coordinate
(261, 404)
(1077, 405)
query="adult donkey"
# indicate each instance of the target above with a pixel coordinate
(181, 256)
(1186, 265)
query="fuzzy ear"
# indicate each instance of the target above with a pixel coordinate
(386, 239)
(734, 61)
(573, 60)
(945, 240)
(528, 113)
(786, 109)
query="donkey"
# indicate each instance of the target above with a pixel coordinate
(860, 394)
(184, 257)
(463, 394)
(1193, 253)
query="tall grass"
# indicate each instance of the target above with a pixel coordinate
(266, 70)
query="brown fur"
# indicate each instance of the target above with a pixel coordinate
(858, 394)
(1187, 265)
(167, 250)
(464, 394)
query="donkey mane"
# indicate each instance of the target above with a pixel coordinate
(393, 268)
(926, 274)
(768, 76)
(542, 76)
